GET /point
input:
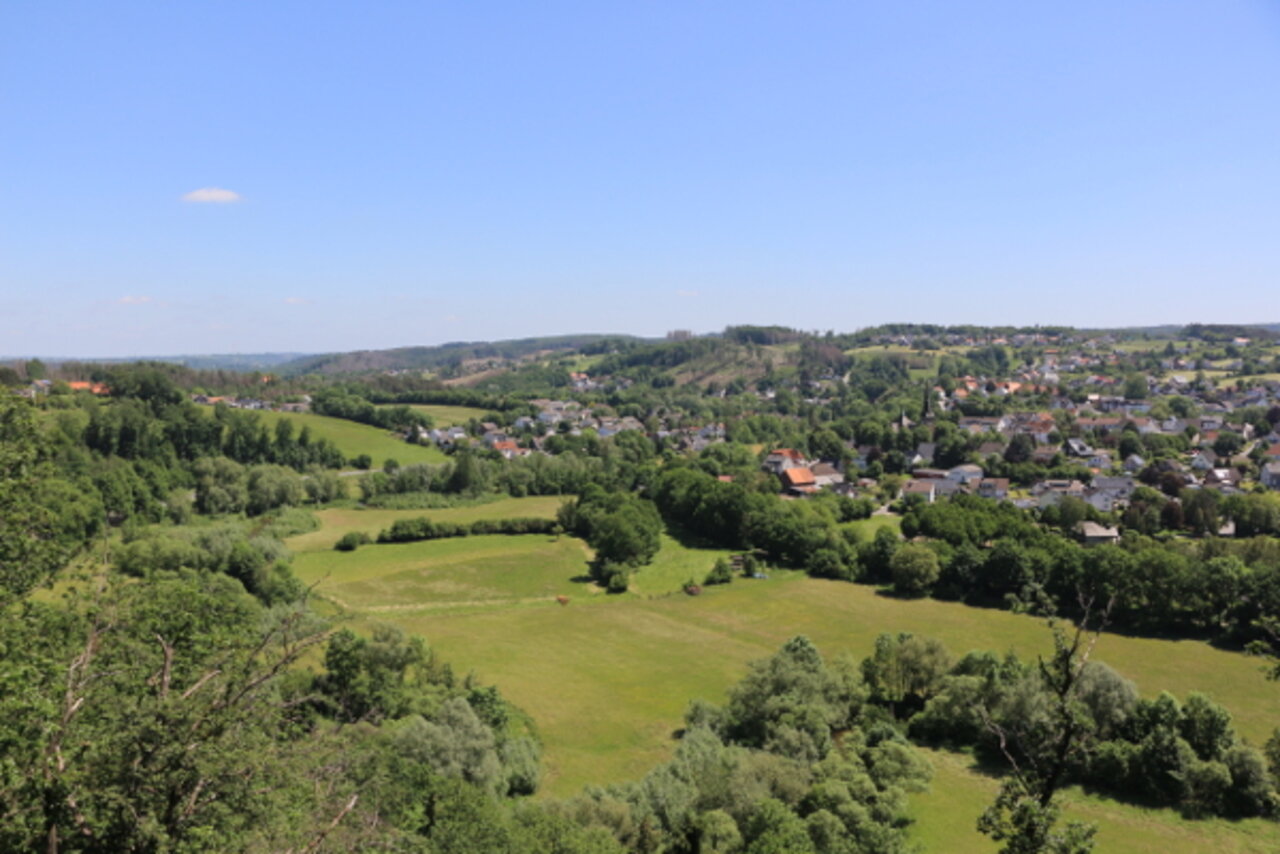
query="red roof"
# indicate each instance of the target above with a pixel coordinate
(787, 452)
(798, 476)
(508, 445)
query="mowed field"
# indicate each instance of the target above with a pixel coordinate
(335, 522)
(607, 678)
(354, 439)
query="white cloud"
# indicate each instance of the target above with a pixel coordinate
(296, 300)
(133, 300)
(214, 195)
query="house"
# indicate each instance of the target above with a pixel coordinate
(1221, 476)
(964, 474)
(1050, 492)
(1134, 463)
(1110, 493)
(782, 459)
(1099, 460)
(925, 488)
(948, 488)
(1100, 426)
(1271, 475)
(1044, 455)
(798, 480)
(923, 455)
(825, 474)
(991, 449)
(1204, 460)
(508, 448)
(1078, 448)
(1040, 428)
(994, 487)
(1094, 534)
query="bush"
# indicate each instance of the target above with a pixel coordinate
(352, 541)
(915, 569)
(618, 581)
(363, 462)
(721, 573)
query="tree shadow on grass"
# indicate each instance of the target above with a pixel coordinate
(688, 539)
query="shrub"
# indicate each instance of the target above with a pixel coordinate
(721, 573)
(915, 569)
(617, 582)
(352, 541)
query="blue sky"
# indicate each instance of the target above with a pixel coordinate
(397, 174)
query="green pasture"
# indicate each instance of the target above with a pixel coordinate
(447, 416)
(581, 363)
(1148, 345)
(607, 678)
(945, 819)
(867, 528)
(396, 578)
(625, 673)
(354, 439)
(336, 521)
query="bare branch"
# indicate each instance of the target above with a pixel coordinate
(186, 695)
(167, 671)
(314, 844)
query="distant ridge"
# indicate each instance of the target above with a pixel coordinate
(207, 362)
(457, 352)
(452, 353)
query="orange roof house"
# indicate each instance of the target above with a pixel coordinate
(799, 478)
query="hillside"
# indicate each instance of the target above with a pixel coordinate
(452, 355)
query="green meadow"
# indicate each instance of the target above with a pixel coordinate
(354, 439)
(607, 678)
(336, 521)
(945, 817)
(447, 416)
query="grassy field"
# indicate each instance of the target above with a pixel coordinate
(447, 416)
(584, 363)
(867, 528)
(1147, 346)
(466, 572)
(354, 439)
(607, 678)
(660, 653)
(338, 521)
(945, 818)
